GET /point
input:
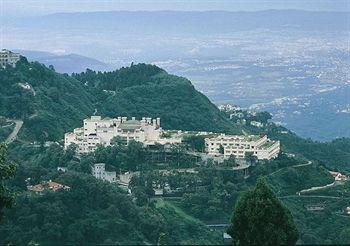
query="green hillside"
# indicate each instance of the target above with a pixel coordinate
(95, 212)
(51, 104)
(146, 90)
(335, 155)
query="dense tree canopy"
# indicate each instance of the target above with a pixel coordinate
(94, 212)
(260, 218)
(195, 143)
(7, 170)
(53, 104)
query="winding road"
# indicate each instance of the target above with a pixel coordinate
(316, 188)
(299, 165)
(14, 133)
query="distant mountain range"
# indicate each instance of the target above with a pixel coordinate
(155, 22)
(66, 63)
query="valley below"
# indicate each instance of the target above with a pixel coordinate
(301, 77)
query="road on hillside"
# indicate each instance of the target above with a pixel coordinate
(335, 183)
(299, 165)
(312, 196)
(15, 131)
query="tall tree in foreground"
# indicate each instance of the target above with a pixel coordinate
(7, 169)
(261, 219)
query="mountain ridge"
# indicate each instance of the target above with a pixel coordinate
(306, 20)
(56, 103)
(66, 63)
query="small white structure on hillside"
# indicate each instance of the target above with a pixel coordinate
(101, 131)
(256, 124)
(238, 146)
(227, 107)
(62, 169)
(8, 57)
(338, 176)
(99, 172)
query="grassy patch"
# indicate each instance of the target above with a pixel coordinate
(192, 230)
(293, 179)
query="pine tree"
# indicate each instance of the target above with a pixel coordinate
(260, 218)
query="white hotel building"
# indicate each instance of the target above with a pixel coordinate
(8, 57)
(260, 146)
(101, 131)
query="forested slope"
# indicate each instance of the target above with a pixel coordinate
(51, 104)
(95, 212)
(146, 90)
(48, 102)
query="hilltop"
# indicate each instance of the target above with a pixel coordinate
(51, 103)
(65, 63)
(142, 89)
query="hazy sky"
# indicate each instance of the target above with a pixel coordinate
(40, 7)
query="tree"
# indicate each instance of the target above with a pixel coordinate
(135, 155)
(344, 236)
(7, 170)
(141, 196)
(231, 161)
(53, 93)
(118, 141)
(260, 218)
(51, 67)
(196, 143)
(250, 157)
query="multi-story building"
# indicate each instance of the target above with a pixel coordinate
(101, 131)
(238, 146)
(99, 172)
(8, 57)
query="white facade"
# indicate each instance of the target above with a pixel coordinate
(227, 107)
(8, 58)
(260, 146)
(99, 172)
(101, 131)
(256, 123)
